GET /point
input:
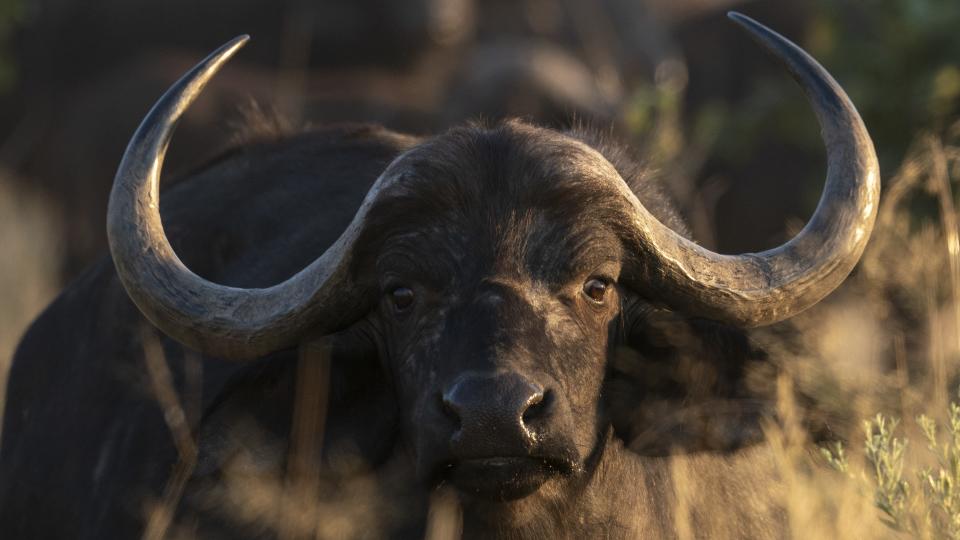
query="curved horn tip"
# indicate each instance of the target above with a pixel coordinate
(736, 15)
(751, 25)
(740, 18)
(772, 40)
(223, 52)
(242, 39)
(232, 46)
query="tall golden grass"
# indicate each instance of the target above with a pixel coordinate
(887, 343)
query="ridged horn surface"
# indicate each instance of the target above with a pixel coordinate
(755, 289)
(222, 321)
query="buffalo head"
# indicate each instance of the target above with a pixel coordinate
(492, 268)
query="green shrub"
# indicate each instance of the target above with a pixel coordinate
(933, 511)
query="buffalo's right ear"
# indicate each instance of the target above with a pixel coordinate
(329, 397)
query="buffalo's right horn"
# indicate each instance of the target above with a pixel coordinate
(222, 321)
(754, 289)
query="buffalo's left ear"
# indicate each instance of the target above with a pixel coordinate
(680, 384)
(328, 396)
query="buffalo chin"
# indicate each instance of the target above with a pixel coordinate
(502, 479)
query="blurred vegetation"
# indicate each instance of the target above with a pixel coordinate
(899, 60)
(11, 14)
(901, 65)
(931, 510)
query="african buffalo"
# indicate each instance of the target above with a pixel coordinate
(459, 296)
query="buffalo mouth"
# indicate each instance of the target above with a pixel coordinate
(504, 479)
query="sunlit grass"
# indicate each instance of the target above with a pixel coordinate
(885, 348)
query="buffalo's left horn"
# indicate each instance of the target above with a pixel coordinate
(754, 289)
(221, 321)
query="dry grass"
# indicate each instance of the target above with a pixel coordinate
(887, 343)
(28, 269)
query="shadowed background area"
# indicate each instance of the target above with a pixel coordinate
(81, 75)
(695, 97)
(700, 103)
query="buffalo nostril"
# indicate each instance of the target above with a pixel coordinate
(537, 406)
(497, 414)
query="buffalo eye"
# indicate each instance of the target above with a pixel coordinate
(596, 289)
(402, 298)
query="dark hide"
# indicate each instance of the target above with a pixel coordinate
(83, 436)
(495, 229)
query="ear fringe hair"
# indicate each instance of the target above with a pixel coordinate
(258, 123)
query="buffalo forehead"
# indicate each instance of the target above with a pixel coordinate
(501, 201)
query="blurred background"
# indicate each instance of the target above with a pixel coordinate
(701, 104)
(698, 100)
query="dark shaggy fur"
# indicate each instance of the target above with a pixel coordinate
(495, 228)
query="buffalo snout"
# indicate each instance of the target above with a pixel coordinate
(508, 435)
(496, 415)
